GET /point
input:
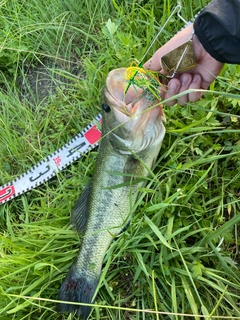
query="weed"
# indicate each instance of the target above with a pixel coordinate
(179, 258)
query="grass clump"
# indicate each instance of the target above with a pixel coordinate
(179, 259)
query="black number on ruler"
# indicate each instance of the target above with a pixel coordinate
(40, 174)
(74, 149)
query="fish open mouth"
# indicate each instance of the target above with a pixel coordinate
(132, 93)
(129, 95)
(137, 112)
(116, 84)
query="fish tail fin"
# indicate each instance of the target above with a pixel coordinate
(77, 287)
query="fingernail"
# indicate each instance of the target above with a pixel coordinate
(196, 78)
(173, 87)
(185, 79)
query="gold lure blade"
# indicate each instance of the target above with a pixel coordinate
(180, 59)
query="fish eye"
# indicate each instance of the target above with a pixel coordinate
(106, 107)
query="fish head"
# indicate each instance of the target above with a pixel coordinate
(132, 117)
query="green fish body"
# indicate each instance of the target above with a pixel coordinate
(132, 133)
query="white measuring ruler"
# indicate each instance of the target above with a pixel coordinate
(54, 163)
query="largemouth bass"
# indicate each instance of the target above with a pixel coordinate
(132, 134)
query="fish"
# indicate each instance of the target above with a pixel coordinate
(132, 135)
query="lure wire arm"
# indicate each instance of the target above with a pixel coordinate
(178, 8)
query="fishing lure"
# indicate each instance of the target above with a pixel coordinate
(147, 80)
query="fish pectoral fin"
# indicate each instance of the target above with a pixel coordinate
(80, 213)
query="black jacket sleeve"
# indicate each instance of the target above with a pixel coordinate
(218, 29)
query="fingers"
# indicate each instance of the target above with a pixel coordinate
(185, 81)
(154, 62)
(176, 86)
(195, 84)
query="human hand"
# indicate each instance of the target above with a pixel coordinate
(200, 77)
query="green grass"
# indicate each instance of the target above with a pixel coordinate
(179, 259)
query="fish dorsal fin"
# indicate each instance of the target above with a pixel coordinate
(80, 212)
